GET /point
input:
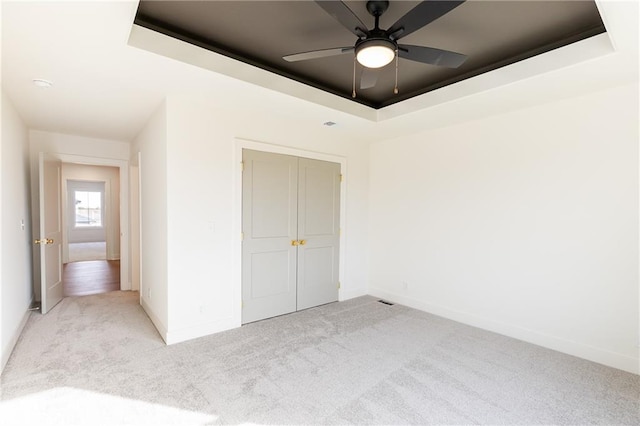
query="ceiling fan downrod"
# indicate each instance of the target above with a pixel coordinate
(376, 8)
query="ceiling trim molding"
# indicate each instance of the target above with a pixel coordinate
(585, 50)
(569, 55)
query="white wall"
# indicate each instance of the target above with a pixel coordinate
(151, 143)
(524, 223)
(111, 230)
(41, 141)
(15, 249)
(134, 203)
(200, 189)
(85, 150)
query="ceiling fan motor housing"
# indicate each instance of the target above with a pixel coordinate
(377, 47)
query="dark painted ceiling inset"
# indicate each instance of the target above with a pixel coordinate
(491, 33)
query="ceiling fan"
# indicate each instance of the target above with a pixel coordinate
(377, 48)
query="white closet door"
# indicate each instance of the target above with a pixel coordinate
(318, 232)
(269, 224)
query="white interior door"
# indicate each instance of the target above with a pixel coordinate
(269, 226)
(318, 232)
(50, 232)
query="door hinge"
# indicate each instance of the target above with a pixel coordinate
(338, 285)
(242, 236)
(341, 177)
(242, 166)
(242, 304)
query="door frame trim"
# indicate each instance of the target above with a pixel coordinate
(241, 144)
(123, 166)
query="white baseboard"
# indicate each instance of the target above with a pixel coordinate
(350, 294)
(188, 333)
(200, 330)
(601, 356)
(162, 329)
(6, 351)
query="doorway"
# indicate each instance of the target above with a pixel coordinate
(91, 229)
(50, 198)
(291, 233)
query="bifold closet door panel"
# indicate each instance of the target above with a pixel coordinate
(318, 232)
(269, 224)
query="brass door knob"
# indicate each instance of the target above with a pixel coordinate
(303, 242)
(294, 242)
(43, 241)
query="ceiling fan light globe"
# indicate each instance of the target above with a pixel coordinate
(375, 54)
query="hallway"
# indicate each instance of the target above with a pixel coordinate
(80, 252)
(91, 277)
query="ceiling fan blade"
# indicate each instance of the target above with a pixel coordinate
(368, 78)
(431, 55)
(317, 54)
(345, 16)
(421, 15)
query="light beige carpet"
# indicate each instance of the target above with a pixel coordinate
(98, 360)
(79, 252)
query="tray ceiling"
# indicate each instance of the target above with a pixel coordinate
(491, 33)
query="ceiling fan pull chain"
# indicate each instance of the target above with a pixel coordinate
(353, 93)
(395, 89)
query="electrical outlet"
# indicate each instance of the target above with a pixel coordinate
(22, 224)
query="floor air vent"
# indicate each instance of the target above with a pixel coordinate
(385, 302)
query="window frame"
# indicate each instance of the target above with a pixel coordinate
(87, 186)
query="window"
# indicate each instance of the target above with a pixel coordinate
(88, 208)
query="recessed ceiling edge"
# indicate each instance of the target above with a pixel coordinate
(593, 47)
(146, 39)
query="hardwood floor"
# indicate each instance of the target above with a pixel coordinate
(91, 277)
